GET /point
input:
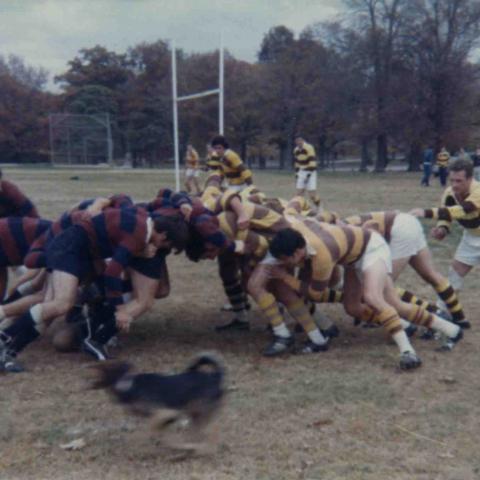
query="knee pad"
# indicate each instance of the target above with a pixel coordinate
(456, 281)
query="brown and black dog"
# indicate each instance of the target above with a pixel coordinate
(195, 394)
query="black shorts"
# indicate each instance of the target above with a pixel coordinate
(151, 267)
(69, 252)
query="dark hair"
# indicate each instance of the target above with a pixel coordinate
(219, 140)
(175, 228)
(462, 165)
(286, 242)
(195, 246)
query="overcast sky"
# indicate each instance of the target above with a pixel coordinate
(49, 33)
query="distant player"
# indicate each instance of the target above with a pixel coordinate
(237, 175)
(192, 170)
(306, 169)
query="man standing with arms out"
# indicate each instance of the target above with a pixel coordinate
(238, 176)
(427, 166)
(192, 165)
(461, 202)
(306, 169)
(442, 163)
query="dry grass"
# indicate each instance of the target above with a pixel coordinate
(344, 414)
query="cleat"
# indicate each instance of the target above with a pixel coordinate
(450, 342)
(227, 307)
(330, 332)
(95, 349)
(11, 365)
(356, 322)
(235, 325)
(464, 324)
(278, 346)
(312, 347)
(428, 334)
(409, 361)
(411, 330)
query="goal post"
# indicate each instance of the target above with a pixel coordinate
(176, 99)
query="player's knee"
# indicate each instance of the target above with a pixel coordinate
(353, 309)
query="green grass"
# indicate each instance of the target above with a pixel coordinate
(345, 414)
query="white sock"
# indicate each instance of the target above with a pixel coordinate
(281, 331)
(6, 322)
(444, 326)
(405, 323)
(36, 313)
(402, 341)
(316, 337)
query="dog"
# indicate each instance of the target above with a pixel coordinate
(195, 394)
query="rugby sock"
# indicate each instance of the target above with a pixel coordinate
(402, 341)
(238, 299)
(446, 292)
(409, 297)
(22, 332)
(419, 316)
(448, 328)
(299, 311)
(330, 295)
(390, 320)
(12, 298)
(269, 307)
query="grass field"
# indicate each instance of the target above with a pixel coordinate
(344, 414)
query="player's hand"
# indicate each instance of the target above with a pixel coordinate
(417, 212)
(149, 251)
(239, 247)
(186, 210)
(438, 233)
(123, 320)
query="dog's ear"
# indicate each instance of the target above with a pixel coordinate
(108, 373)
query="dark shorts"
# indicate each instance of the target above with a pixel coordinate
(69, 252)
(150, 267)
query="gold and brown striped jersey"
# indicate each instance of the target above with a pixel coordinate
(213, 162)
(192, 160)
(235, 170)
(305, 157)
(442, 158)
(327, 246)
(382, 222)
(466, 212)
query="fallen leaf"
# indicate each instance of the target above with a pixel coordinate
(76, 444)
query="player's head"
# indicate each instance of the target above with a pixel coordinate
(299, 141)
(219, 144)
(169, 232)
(461, 176)
(289, 247)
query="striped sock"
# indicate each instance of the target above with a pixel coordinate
(446, 292)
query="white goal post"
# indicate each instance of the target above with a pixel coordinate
(176, 99)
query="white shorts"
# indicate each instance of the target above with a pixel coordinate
(407, 237)
(237, 188)
(192, 172)
(377, 249)
(468, 250)
(306, 180)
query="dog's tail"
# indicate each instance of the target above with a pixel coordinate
(109, 373)
(207, 359)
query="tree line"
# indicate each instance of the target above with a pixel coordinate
(386, 76)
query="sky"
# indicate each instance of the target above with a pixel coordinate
(49, 33)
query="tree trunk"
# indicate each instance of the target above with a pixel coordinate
(382, 153)
(415, 156)
(365, 159)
